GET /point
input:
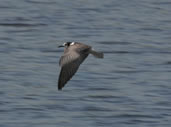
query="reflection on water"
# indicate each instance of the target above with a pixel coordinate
(129, 87)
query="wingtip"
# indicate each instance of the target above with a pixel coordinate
(59, 88)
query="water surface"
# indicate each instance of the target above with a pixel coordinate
(130, 87)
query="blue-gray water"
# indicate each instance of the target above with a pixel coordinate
(130, 87)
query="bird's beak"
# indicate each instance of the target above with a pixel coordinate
(60, 46)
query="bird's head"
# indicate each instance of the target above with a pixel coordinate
(67, 44)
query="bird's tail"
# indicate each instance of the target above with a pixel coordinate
(96, 54)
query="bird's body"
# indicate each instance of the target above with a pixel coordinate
(74, 54)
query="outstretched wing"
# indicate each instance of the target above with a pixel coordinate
(70, 64)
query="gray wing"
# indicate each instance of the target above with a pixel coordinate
(70, 64)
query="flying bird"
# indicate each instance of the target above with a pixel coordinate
(74, 54)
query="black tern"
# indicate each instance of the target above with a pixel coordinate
(74, 54)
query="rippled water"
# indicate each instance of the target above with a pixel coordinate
(130, 87)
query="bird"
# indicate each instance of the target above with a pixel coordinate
(74, 54)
